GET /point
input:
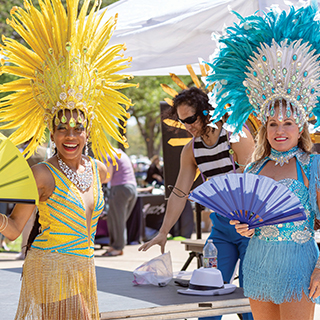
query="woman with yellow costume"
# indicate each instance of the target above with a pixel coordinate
(68, 83)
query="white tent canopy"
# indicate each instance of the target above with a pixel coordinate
(164, 36)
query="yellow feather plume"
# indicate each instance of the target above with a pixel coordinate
(178, 81)
(168, 90)
(65, 64)
(193, 76)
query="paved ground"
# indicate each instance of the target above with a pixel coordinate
(130, 260)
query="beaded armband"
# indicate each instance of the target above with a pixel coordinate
(318, 263)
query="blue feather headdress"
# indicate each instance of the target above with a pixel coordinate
(264, 59)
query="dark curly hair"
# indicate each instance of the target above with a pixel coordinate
(198, 100)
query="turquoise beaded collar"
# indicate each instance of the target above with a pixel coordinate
(282, 157)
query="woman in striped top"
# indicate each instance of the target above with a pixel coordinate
(211, 152)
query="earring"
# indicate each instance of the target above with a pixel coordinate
(53, 148)
(86, 149)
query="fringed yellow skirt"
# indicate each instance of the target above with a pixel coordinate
(58, 287)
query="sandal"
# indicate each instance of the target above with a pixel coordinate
(112, 253)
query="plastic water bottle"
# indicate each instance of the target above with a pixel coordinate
(210, 253)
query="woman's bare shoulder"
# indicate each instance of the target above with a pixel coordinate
(44, 180)
(187, 156)
(104, 171)
(188, 148)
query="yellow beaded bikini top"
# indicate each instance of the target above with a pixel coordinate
(63, 218)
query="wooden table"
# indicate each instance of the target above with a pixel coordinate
(196, 248)
(194, 244)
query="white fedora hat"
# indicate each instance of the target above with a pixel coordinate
(207, 282)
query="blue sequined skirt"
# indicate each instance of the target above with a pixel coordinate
(278, 271)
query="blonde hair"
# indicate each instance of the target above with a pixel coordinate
(263, 148)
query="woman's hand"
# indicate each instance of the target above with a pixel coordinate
(242, 228)
(160, 239)
(315, 284)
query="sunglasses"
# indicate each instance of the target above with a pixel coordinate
(189, 120)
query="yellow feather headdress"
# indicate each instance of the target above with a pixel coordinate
(64, 66)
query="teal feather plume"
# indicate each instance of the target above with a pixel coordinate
(239, 44)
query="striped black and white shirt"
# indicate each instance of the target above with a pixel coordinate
(213, 160)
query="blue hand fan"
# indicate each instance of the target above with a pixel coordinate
(249, 198)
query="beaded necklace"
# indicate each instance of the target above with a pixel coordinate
(82, 180)
(282, 157)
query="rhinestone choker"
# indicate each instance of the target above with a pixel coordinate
(83, 180)
(282, 157)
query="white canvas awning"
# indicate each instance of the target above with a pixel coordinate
(164, 36)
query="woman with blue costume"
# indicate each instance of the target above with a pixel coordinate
(276, 69)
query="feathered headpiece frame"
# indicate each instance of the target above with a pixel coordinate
(173, 93)
(204, 68)
(264, 59)
(64, 66)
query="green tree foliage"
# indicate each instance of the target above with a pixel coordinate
(137, 145)
(5, 7)
(146, 109)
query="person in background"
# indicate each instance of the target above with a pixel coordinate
(211, 151)
(122, 198)
(155, 172)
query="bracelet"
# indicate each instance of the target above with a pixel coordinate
(4, 222)
(318, 263)
(171, 188)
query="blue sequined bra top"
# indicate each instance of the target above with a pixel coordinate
(299, 231)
